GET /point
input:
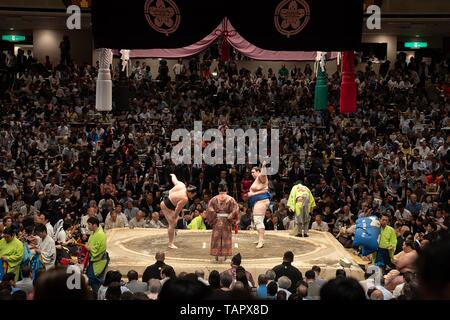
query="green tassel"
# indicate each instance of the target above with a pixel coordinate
(321, 91)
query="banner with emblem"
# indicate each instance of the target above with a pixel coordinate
(148, 24)
(277, 25)
(307, 25)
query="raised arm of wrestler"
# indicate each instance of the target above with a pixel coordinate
(175, 181)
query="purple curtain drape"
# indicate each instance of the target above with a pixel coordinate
(235, 40)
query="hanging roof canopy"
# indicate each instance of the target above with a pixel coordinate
(265, 30)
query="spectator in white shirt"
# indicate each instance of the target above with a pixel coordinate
(424, 149)
(46, 247)
(118, 210)
(402, 213)
(114, 221)
(155, 223)
(91, 212)
(284, 283)
(178, 69)
(319, 225)
(42, 144)
(138, 221)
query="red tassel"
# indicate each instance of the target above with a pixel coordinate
(236, 228)
(225, 50)
(348, 86)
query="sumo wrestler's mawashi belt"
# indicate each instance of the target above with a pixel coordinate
(253, 200)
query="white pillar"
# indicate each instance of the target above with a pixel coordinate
(103, 101)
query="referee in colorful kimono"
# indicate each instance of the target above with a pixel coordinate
(222, 214)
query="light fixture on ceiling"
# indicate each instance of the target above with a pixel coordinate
(11, 29)
(417, 35)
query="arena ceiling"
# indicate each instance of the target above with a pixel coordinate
(27, 20)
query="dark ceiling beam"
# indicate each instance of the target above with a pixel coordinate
(40, 10)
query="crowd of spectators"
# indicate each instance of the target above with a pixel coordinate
(62, 162)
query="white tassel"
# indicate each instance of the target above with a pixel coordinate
(320, 61)
(323, 61)
(103, 101)
(320, 58)
(125, 57)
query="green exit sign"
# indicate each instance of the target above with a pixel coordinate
(416, 45)
(12, 38)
